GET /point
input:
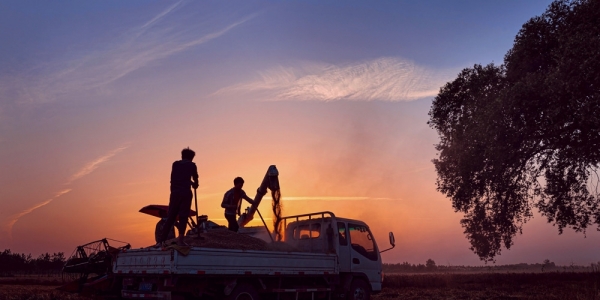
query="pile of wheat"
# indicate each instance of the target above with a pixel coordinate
(225, 239)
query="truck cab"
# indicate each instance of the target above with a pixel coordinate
(359, 261)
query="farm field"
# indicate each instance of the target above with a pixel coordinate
(558, 285)
(492, 286)
(33, 288)
(34, 292)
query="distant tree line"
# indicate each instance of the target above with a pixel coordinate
(18, 263)
(431, 266)
(406, 267)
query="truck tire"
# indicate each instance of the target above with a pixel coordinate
(243, 291)
(359, 290)
(159, 230)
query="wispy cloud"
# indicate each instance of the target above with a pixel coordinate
(336, 198)
(209, 196)
(7, 225)
(385, 79)
(160, 15)
(11, 220)
(93, 165)
(164, 35)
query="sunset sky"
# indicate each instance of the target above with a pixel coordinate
(97, 99)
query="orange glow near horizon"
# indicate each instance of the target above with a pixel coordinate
(105, 203)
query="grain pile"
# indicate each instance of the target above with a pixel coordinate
(225, 239)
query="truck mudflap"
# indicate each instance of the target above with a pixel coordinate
(146, 295)
(375, 287)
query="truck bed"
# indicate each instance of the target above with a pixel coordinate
(211, 261)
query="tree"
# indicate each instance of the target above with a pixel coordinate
(430, 265)
(547, 265)
(526, 133)
(11, 263)
(44, 262)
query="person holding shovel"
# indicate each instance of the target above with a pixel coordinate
(232, 202)
(184, 174)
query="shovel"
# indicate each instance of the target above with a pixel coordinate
(197, 220)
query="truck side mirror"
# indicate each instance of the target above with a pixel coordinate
(392, 242)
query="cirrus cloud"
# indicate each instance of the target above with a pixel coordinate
(6, 225)
(100, 63)
(383, 79)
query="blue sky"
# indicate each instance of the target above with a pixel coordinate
(100, 42)
(97, 98)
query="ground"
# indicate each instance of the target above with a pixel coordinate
(556, 285)
(34, 287)
(552, 285)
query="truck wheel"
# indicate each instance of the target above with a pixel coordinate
(243, 291)
(359, 290)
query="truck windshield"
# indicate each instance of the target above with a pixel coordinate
(362, 241)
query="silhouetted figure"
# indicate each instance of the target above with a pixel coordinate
(183, 175)
(232, 201)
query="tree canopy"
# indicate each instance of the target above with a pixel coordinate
(525, 134)
(11, 263)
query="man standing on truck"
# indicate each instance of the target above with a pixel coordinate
(180, 199)
(232, 202)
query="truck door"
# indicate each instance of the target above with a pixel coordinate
(363, 253)
(344, 248)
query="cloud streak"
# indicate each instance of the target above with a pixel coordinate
(384, 79)
(7, 226)
(160, 15)
(336, 198)
(164, 35)
(93, 165)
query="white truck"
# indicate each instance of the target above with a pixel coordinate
(335, 258)
(331, 258)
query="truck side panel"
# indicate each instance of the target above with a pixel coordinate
(224, 262)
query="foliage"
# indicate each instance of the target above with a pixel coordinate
(545, 266)
(430, 265)
(11, 263)
(526, 133)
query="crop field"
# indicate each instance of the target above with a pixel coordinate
(558, 285)
(492, 286)
(33, 288)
